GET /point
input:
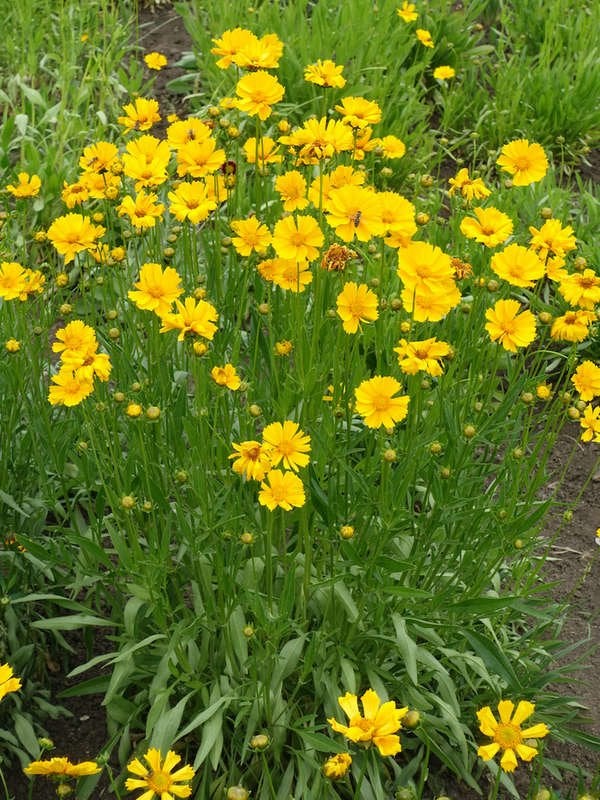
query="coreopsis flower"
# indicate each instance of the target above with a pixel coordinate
(320, 189)
(155, 61)
(100, 186)
(143, 210)
(509, 327)
(526, 163)
(586, 380)
(183, 131)
(397, 218)
(431, 304)
(27, 186)
(407, 12)
(76, 338)
(283, 348)
(257, 93)
(359, 112)
(61, 767)
(552, 239)
(73, 194)
(422, 356)
(355, 304)
(363, 143)
(230, 44)
(199, 158)
(146, 160)
(72, 234)
(461, 269)
(263, 53)
(392, 147)
(325, 73)
(192, 316)
(424, 37)
(492, 227)
(375, 401)
(581, 289)
(319, 139)
(12, 346)
(287, 273)
(157, 289)
(88, 367)
(252, 236)
(100, 158)
(287, 443)
(8, 683)
(590, 422)
(281, 490)
(292, 190)
(13, 280)
(226, 376)
(69, 388)
(156, 777)
(336, 257)
(507, 734)
(140, 115)
(191, 201)
(337, 766)
(573, 326)
(297, 238)
(264, 151)
(444, 73)
(423, 266)
(354, 211)
(470, 188)
(378, 724)
(518, 265)
(251, 460)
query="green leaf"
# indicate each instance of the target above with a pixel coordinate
(26, 735)
(202, 717)
(493, 658)
(320, 742)
(210, 735)
(165, 730)
(70, 623)
(407, 647)
(9, 499)
(343, 595)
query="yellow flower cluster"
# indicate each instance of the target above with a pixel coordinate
(80, 363)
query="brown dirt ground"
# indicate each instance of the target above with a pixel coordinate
(574, 563)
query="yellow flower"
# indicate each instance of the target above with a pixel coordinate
(281, 490)
(157, 778)
(69, 388)
(321, 187)
(590, 422)
(76, 338)
(354, 211)
(251, 459)
(288, 444)
(226, 376)
(268, 151)
(292, 188)
(143, 210)
(252, 236)
(74, 194)
(470, 188)
(197, 317)
(397, 218)
(263, 53)
(146, 161)
(191, 201)
(518, 265)
(423, 266)
(156, 289)
(355, 304)
(552, 239)
(13, 280)
(140, 115)
(297, 238)
(358, 112)
(134, 410)
(424, 355)
(392, 147)
(155, 60)
(27, 185)
(12, 345)
(573, 326)
(100, 158)
(8, 683)
(375, 402)
(229, 45)
(376, 725)
(337, 766)
(431, 304)
(62, 767)
(407, 12)
(444, 73)
(325, 73)
(509, 327)
(424, 37)
(527, 163)
(507, 733)
(319, 139)
(183, 131)
(72, 234)
(581, 289)
(290, 274)
(491, 227)
(199, 158)
(257, 93)
(283, 348)
(587, 380)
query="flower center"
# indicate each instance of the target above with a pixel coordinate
(507, 735)
(381, 402)
(522, 163)
(159, 782)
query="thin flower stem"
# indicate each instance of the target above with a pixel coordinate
(496, 785)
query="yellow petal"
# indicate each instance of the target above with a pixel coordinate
(524, 709)
(526, 752)
(387, 745)
(508, 762)
(137, 767)
(389, 718)
(349, 704)
(171, 760)
(505, 709)
(370, 702)
(337, 726)
(487, 721)
(536, 731)
(488, 751)
(153, 759)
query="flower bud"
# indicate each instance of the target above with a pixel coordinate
(254, 410)
(128, 502)
(260, 742)
(411, 719)
(237, 793)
